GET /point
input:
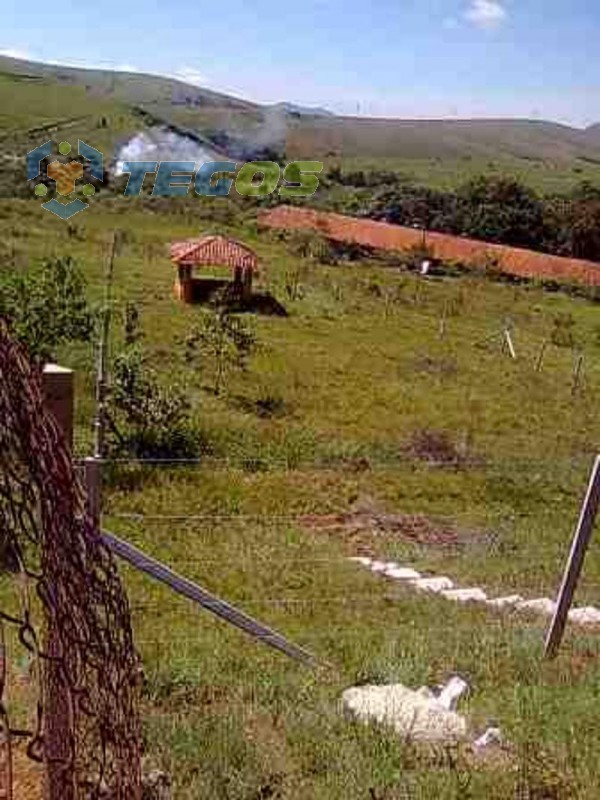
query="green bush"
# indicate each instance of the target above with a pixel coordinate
(563, 331)
(46, 306)
(146, 418)
(221, 343)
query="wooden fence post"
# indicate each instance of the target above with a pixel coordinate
(509, 343)
(581, 540)
(577, 374)
(540, 359)
(59, 782)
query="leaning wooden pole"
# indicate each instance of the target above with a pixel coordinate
(220, 608)
(581, 540)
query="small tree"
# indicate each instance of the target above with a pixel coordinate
(46, 306)
(146, 418)
(223, 340)
(563, 330)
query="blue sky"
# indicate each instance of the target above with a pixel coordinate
(417, 58)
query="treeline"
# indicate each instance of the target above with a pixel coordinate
(491, 208)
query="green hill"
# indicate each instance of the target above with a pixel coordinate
(108, 106)
(479, 138)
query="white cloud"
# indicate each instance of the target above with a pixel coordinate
(76, 63)
(13, 52)
(487, 14)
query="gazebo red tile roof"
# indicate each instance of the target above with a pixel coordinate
(214, 250)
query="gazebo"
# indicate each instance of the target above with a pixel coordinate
(212, 251)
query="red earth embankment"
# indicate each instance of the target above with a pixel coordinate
(383, 236)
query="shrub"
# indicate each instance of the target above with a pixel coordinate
(311, 245)
(563, 331)
(222, 342)
(147, 419)
(46, 306)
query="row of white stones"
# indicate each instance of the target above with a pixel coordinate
(445, 587)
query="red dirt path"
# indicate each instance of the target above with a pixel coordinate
(383, 236)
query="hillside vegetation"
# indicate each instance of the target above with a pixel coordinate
(441, 153)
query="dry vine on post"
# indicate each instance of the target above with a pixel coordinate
(56, 548)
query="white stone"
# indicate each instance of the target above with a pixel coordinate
(378, 566)
(366, 562)
(475, 595)
(435, 585)
(542, 605)
(585, 616)
(490, 737)
(417, 715)
(403, 574)
(452, 692)
(503, 602)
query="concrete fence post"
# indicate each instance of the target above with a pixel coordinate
(59, 784)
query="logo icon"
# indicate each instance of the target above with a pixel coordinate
(64, 175)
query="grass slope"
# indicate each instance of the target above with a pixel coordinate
(547, 155)
(357, 371)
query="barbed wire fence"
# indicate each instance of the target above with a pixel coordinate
(76, 626)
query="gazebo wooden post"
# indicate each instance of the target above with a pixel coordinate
(247, 285)
(185, 291)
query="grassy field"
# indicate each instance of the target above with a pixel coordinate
(359, 380)
(546, 177)
(444, 153)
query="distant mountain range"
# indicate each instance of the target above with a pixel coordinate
(35, 95)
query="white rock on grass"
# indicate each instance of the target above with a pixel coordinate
(452, 692)
(380, 566)
(363, 560)
(417, 715)
(475, 595)
(493, 736)
(435, 585)
(585, 616)
(504, 602)
(403, 574)
(542, 605)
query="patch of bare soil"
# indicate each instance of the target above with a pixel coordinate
(436, 448)
(364, 527)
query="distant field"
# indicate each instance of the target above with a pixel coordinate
(545, 177)
(35, 110)
(549, 157)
